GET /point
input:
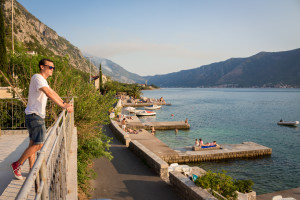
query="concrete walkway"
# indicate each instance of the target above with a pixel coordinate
(11, 148)
(127, 177)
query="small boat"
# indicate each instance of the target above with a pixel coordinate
(288, 123)
(130, 109)
(152, 107)
(145, 113)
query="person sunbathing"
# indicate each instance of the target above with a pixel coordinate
(129, 130)
(210, 144)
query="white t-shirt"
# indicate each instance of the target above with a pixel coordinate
(37, 99)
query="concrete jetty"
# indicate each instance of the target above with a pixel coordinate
(143, 104)
(186, 154)
(227, 151)
(180, 125)
(135, 123)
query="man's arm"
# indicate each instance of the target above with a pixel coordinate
(51, 94)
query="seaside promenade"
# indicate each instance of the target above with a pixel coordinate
(127, 177)
(11, 147)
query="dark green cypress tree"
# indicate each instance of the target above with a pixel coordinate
(3, 54)
(100, 80)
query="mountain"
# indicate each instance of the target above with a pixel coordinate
(38, 37)
(115, 71)
(265, 69)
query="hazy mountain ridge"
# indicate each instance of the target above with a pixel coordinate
(115, 71)
(265, 69)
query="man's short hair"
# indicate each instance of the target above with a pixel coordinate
(43, 62)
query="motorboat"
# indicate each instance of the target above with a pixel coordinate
(144, 113)
(285, 123)
(153, 107)
(130, 109)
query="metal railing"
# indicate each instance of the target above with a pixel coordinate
(48, 177)
(12, 115)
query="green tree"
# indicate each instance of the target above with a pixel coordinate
(134, 91)
(3, 54)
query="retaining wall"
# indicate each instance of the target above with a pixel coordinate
(155, 162)
(187, 188)
(120, 133)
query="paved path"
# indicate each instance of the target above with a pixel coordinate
(127, 177)
(11, 148)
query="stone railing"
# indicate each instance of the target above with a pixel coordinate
(49, 173)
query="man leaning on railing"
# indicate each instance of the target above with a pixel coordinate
(39, 92)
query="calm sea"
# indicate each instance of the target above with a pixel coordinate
(234, 116)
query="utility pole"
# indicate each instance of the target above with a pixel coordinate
(90, 68)
(12, 25)
(12, 35)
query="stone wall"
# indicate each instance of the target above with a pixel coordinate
(155, 162)
(120, 133)
(187, 188)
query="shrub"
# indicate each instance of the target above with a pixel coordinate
(244, 186)
(224, 184)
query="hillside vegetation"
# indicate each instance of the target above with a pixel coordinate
(38, 37)
(91, 107)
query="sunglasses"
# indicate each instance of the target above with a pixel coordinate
(50, 67)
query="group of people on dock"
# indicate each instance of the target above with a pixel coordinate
(200, 143)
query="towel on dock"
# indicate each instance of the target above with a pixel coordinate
(203, 147)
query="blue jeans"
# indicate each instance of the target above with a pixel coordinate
(36, 128)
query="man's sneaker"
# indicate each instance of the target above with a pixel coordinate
(16, 168)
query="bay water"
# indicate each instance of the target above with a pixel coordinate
(232, 116)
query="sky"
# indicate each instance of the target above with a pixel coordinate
(151, 37)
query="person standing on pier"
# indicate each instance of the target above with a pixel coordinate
(123, 123)
(152, 130)
(35, 112)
